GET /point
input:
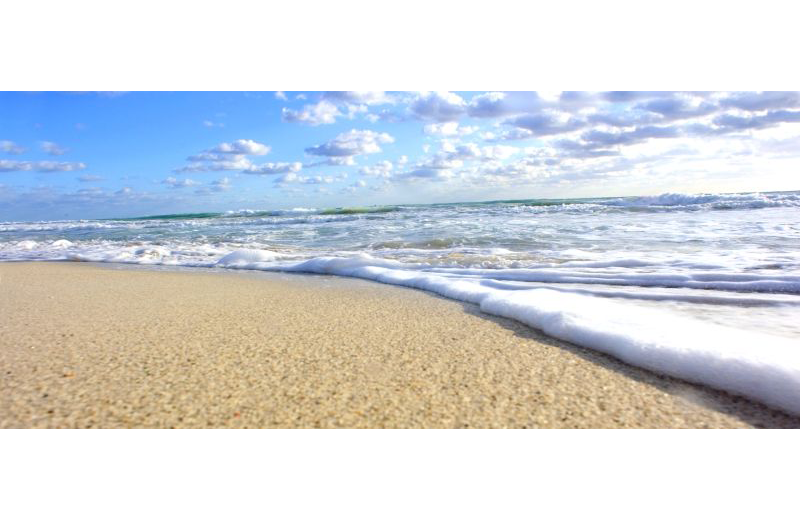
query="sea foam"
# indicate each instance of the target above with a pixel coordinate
(760, 366)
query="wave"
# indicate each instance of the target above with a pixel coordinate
(270, 213)
(709, 201)
(355, 211)
(267, 213)
(174, 216)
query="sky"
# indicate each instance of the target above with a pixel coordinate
(81, 155)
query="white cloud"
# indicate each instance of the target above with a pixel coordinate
(426, 173)
(225, 157)
(438, 106)
(498, 152)
(40, 166)
(206, 162)
(337, 104)
(503, 104)
(513, 134)
(172, 182)
(678, 107)
(11, 147)
(754, 101)
(380, 169)
(242, 147)
(546, 123)
(322, 113)
(15, 166)
(351, 144)
(274, 168)
(293, 178)
(52, 148)
(222, 184)
(364, 97)
(281, 95)
(450, 128)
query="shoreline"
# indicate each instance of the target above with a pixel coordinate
(117, 345)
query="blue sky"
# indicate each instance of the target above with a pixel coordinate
(115, 154)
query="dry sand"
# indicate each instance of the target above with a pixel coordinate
(89, 346)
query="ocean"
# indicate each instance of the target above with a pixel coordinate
(705, 288)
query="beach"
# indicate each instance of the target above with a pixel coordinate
(88, 346)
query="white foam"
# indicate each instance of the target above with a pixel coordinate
(246, 257)
(760, 366)
(710, 200)
(277, 212)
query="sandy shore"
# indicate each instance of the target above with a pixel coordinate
(95, 346)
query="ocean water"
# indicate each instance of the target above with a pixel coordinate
(701, 287)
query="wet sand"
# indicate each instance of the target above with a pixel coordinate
(83, 345)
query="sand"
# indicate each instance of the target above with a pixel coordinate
(83, 346)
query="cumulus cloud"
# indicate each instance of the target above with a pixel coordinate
(450, 128)
(214, 163)
(583, 150)
(274, 168)
(543, 124)
(498, 152)
(174, 183)
(426, 173)
(40, 166)
(380, 169)
(281, 95)
(627, 96)
(336, 104)
(11, 147)
(755, 101)
(600, 138)
(241, 147)
(385, 116)
(52, 148)
(216, 186)
(503, 104)
(15, 166)
(438, 106)
(351, 144)
(322, 113)
(675, 108)
(222, 184)
(513, 134)
(772, 118)
(441, 166)
(293, 178)
(333, 161)
(365, 97)
(225, 157)
(621, 120)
